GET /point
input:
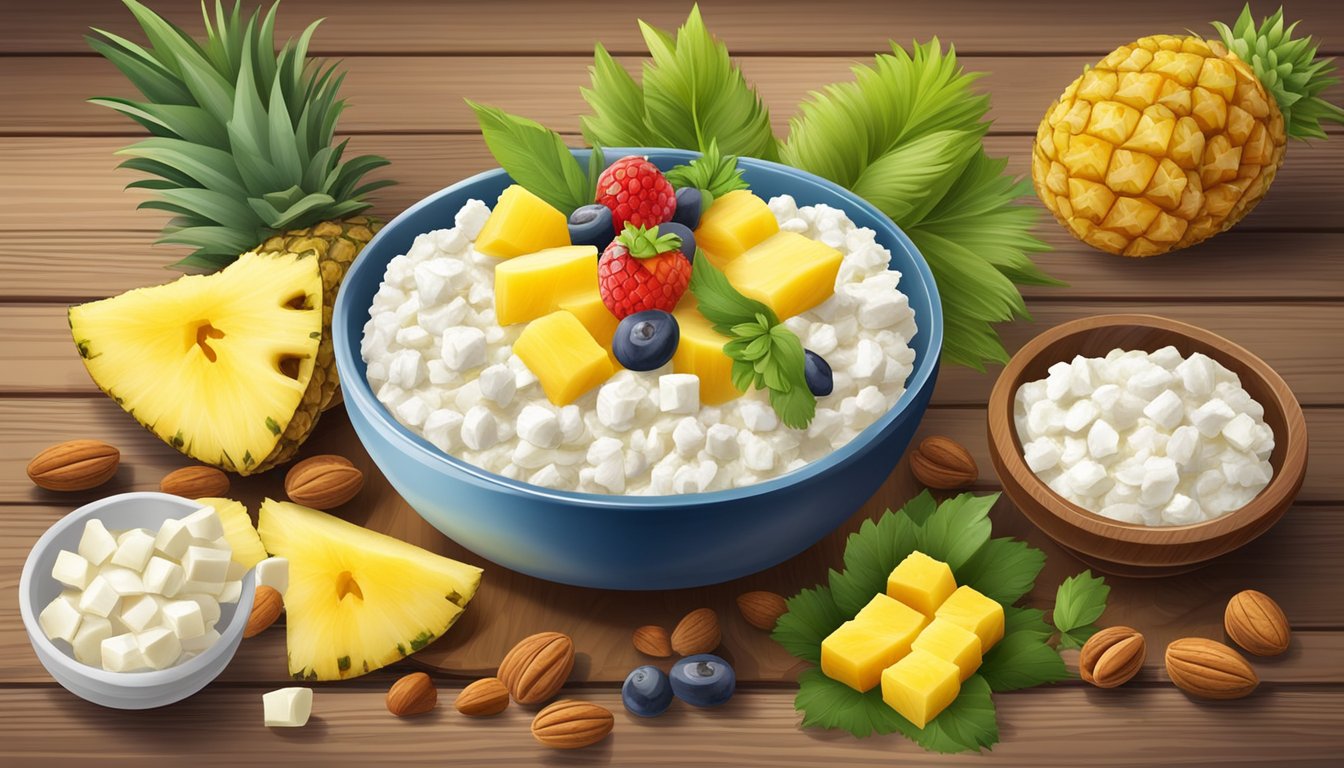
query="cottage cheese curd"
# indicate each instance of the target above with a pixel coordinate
(1146, 438)
(443, 366)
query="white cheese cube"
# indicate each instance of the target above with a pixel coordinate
(1102, 440)
(287, 707)
(205, 565)
(539, 426)
(1240, 432)
(1045, 418)
(159, 647)
(204, 524)
(443, 428)
(195, 645)
(163, 576)
(273, 572)
(1150, 381)
(617, 403)
(1166, 410)
(1087, 478)
(1106, 397)
(184, 618)
(210, 588)
(1080, 377)
(1212, 416)
(1041, 454)
(99, 598)
(1197, 374)
(72, 570)
(60, 620)
(406, 369)
(124, 581)
(463, 347)
(721, 440)
(1075, 450)
(222, 544)
(208, 604)
(1182, 510)
(1124, 513)
(757, 416)
(757, 454)
(232, 591)
(688, 436)
(1161, 477)
(1168, 357)
(88, 643)
(679, 393)
(413, 411)
(1080, 415)
(1181, 446)
(121, 653)
(548, 476)
(480, 429)
(172, 539)
(498, 385)
(139, 613)
(96, 545)
(610, 474)
(868, 360)
(1057, 383)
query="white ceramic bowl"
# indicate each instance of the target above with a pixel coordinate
(122, 690)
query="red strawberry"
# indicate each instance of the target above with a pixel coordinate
(636, 191)
(642, 270)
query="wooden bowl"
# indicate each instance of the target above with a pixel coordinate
(1127, 549)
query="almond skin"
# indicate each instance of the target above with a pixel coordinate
(762, 609)
(1209, 669)
(1112, 657)
(483, 698)
(570, 724)
(266, 608)
(1255, 622)
(413, 694)
(537, 667)
(652, 640)
(324, 484)
(697, 632)
(197, 482)
(942, 463)
(75, 465)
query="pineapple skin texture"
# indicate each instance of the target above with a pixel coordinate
(1164, 143)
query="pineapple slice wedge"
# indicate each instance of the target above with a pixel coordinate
(238, 530)
(358, 600)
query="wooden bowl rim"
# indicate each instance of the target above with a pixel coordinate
(1274, 497)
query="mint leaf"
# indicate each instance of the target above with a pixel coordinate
(535, 156)
(722, 304)
(618, 106)
(811, 617)
(711, 172)
(957, 529)
(1003, 569)
(870, 555)
(920, 507)
(1023, 658)
(826, 703)
(1079, 602)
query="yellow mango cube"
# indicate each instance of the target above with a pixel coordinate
(563, 356)
(522, 223)
(855, 654)
(732, 224)
(700, 351)
(888, 614)
(920, 686)
(788, 272)
(952, 642)
(921, 583)
(595, 316)
(975, 612)
(527, 287)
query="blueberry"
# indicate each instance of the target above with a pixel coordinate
(646, 340)
(647, 692)
(703, 681)
(591, 225)
(689, 201)
(818, 373)
(686, 235)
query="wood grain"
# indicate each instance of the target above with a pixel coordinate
(222, 727)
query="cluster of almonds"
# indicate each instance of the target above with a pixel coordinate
(1201, 667)
(698, 631)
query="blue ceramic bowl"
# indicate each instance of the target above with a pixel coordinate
(635, 542)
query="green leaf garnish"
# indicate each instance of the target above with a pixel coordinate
(536, 157)
(691, 94)
(712, 172)
(766, 355)
(1079, 602)
(1023, 659)
(646, 242)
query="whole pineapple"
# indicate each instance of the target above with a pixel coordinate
(1170, 140)
(243, 156)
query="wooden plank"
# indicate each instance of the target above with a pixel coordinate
(222, 727)
(426, 94)
(849, 27)
(1301, 341)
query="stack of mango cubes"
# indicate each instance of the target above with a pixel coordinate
(920, 640)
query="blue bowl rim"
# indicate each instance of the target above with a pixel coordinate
(362, 393)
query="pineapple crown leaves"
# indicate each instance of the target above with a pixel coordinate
(645, 242)
(691, 93)
(712, 172)
(1288, 68)
(242, 133)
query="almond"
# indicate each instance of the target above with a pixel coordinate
(323, 482)
(1112, 656)
(266, 607)
(196, 482)
(652, 640)
(1255, 622)
(1209, 669)
(413, 694)
(943, 463)
(75, 465)
(537, 667)
(570, 724)
(483, 698)
(762, 609)
(697, 632)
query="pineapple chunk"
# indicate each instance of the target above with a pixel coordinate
(921, 582)
(952, 642)
(734, 223)
(788, 272)
(891, 615)
(595, 316)
(856, 653)
(974, 611)
(527, 287)
(238, 531)
(563, 356)
(522, 223)
(700, 351)
(920, 686)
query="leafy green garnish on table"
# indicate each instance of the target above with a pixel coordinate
(537, 158)
(958, 532)
(765, 354)
(1078, 604)
(713, 173)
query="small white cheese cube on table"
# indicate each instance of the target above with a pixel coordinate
(159, 647)
(121, 653)
(184, 618)
(96, 544)
(287, 707)
(140, 613)
(88, 643)
(204, 524)
(205, 565)
(99, 598)
(72, 570)
(163, 576)
(172, 539)
(60, 620)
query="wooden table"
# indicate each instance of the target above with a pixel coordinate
(68, 233)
